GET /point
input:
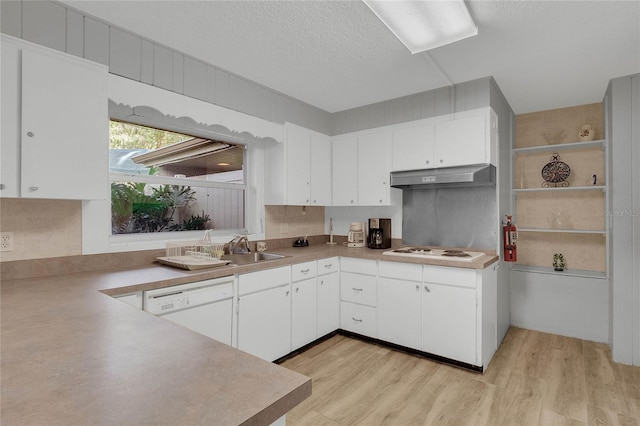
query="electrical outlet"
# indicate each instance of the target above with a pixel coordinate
(6, 241)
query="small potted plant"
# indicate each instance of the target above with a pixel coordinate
(558, 262)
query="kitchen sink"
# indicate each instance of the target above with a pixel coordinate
(249, 258)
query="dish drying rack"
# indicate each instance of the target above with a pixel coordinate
(196, 254)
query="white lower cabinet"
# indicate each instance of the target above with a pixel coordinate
(264, 313)
(359, 296)
(449, 322)
(328, 287)
(400, 304)
(303, 304)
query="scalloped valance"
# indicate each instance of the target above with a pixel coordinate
(148, 105)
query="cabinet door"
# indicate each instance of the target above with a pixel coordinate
(412, 147)
(345, 171)
(449, 322)
(373, 168)
(321, 183)
(303, 313)
(461, 141)
(328, 303)
(264, 323)
(298, 140)
(400, 312)
(10, 129)
(64, 132)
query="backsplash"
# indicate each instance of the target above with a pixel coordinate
(41, 228)
(293, 221)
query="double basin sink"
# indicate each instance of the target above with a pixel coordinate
(251, 258)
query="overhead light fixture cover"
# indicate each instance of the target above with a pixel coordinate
(425, 24)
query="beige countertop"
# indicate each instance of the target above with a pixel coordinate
(73, 355)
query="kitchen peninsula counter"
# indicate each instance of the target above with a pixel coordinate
(71, 354)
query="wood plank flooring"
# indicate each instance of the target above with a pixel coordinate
(534, 379)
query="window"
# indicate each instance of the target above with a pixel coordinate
(163, 181)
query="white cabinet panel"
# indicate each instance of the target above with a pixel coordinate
(461, 141)
(328, 303)
(303, 312)
(400, 312)
(358, 319)
(345, 171)
(10, 136)
(358, 288)
(56, 116)
(413, 147)
(373, 168)
(321, 170)
(298, 146)
(449, 322)
(264, 323)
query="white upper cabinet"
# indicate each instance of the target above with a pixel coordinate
(412, 146)
(361, 166)
(345, 170)
(463, 138)
(62, 134)
(299, 170)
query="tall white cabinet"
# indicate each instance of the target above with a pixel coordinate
(54, 124)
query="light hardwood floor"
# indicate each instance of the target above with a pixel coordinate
(534, 379)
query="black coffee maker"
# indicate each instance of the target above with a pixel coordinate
(379, 233)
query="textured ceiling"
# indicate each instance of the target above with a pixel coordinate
(337, 55)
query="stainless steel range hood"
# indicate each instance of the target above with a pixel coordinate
(473, 175)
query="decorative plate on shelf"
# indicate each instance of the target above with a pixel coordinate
(555, 173)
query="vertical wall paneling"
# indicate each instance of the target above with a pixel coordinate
(11, 17)
(75, 33)
(146, 62)
(44, 23)
(124, 54)
(223, 95)
(96, 41)
(195, 78)
(162, 67)
(210, 89)
(178, 73)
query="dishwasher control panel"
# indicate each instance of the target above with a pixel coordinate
(175, 298)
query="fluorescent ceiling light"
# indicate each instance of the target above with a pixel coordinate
(425, 24)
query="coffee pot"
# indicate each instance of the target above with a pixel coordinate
(356, 235)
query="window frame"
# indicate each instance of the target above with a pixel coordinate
(146, 105)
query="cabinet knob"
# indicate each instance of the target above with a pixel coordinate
(441, 161)
(2, 186)
(297, 289)
(33, 188)
(30, 134)
(426, 162)
(417, 287)
(322, 282)
(428, 290)
(287, 293)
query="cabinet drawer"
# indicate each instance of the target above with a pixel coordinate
(303, 271)
(358, 319)
(359, 266)
(327, 266)
(262, 280)
(403, 271)
(452, 276)
(358, 288)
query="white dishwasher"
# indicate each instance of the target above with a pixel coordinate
(205, 307)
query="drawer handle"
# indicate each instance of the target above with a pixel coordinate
(304, 271)
(322, 282)
(357, 289)
(287, 293)
(328, 265)
(356, 319)
(427, 289)
(297, 289)
(417, 287)
(33, 188)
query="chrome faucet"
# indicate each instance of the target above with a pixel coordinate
(237, 243)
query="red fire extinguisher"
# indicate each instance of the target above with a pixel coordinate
(509, 234)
